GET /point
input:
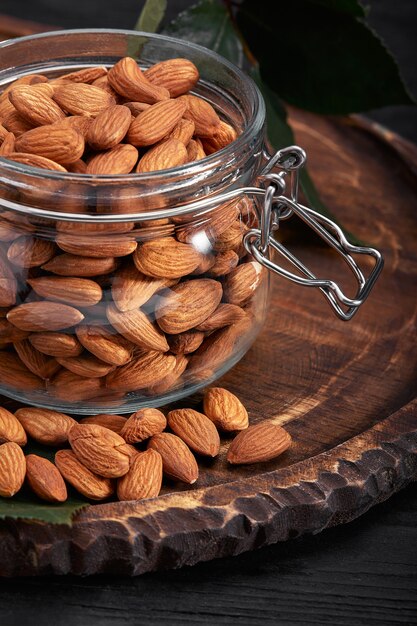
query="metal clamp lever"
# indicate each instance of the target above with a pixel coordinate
(277, 207)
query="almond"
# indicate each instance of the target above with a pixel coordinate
(224, 263)
(78, 167)
(43, 366)
(56, 344)
(50, 428)
(212, 226)
(76, 474)
(30, 252)
(177, 75)
(16, 375)
(224, 315)
(34, 106)
(9, 333)
(70, 387)
(86, 365)
(34, 160)
(195, 150)
(171, 380)
(3, 133)
(185, 343)
(8, 291)
(11, 429)
(205, 118)
(178, 462)
(259, 443)
(109, 127)
(188, 304)
(223, 136)
(231, 238)
(12, 469)
(101, 247)
(166, 258)
(101, 450)
(131, 289)
(198, 432)
(81, 266)
(16, 124)
(112, 422)
(82, 99)
(240, 283)
(108, 347)
(225, 410)
(141, 372)
(119, 160)
(154, 123)
(8, 145)
(135, 326)
(143, 424)
(44, 479)
(80, 123)
(95, 229)
(136, 107)
(128, 80)
(86, 75)
(219, 346)
(144, 478)
(54, 142)
(183, 131)
(77, 291)
(39, 316)
(165, 155)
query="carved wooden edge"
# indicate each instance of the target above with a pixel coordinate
(183, 528)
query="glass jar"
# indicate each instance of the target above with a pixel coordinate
(135, 290)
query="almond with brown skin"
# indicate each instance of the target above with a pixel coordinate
(198, 432)
(8, 145)
(81, 266)
(154, 123)
(223, 136)
(205, 118)
(101, 450)
(188, 304)
(109, 127)
(30, 252)
(259, 443)
(136, 107)
(109, 347)
(86, 365)
(166, 258)
(77, 291)
(86, 75)
(101, 247)
(163, 156)
(231, 238)
(212, 226)
(79, 123)
(34, 106)
(16, 124)
(141, 372)
(195, 150)
(112, 422)
(8, 292)
(78, 167)
(219, 346)
(225, 410)
(44, 479)
(136, 327)
(11, 429)
(70, 387)
(224, 315)
(50, 428)
(143, 424)
(171, 380)
(128, 80)
(95, 229)
(39, 316)
(82, 99)
(131, 289)
(177, 75)
(185, 343)
(144, 478)
(14, 374)
(9, 333)
(56, 344)
(12, 469)
(59, 144)
(119, 160)
(240, 283)
(34, 160)
(224, 263)
(43, 366)
(178, 462)
(85, 482)
(183, 131)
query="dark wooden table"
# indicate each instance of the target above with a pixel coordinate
(361, 573)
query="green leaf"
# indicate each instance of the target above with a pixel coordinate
(208, 24)
(26, 505)
(151, 16)
(319, 58)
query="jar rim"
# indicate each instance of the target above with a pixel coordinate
(211, 161)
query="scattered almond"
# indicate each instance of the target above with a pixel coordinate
(198, 432)
(44, 479)
(225, 410)
(11, 429)
(101, 450)
(45, 426)
(143, 424)
(144, 478)
(81, 478)
(259, 443)
(12, 469)
(177, 459)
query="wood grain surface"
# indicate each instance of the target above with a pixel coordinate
(344, 391)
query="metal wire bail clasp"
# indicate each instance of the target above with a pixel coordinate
(278, 206)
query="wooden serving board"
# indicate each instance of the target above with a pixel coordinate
(345, 391)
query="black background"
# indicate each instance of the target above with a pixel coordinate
(364, 573)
